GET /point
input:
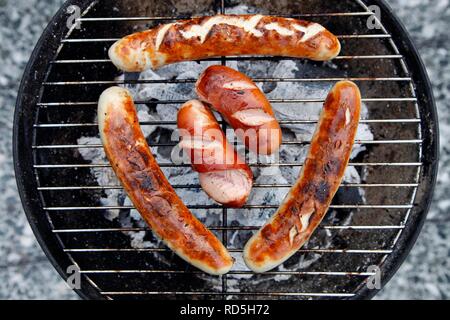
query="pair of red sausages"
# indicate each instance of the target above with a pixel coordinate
(223, 175)
(126, 148)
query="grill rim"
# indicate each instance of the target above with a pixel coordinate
(430, 151)
(22, 137)
(28, 97)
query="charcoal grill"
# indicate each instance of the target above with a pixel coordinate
(57, 105)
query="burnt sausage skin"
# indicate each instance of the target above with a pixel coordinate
(223, 35)
(243, 105)
(223, 175)
(148, 188)
(309, 199)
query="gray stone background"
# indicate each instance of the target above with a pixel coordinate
(25, 272)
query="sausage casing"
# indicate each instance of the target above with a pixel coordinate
(148, 188)
(243, 105)
(223, 35)
(309, 199)
(223, 175)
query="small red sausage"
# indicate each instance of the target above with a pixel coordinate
(309, 199)
(223, 175)
(148, 188)
(242, 104)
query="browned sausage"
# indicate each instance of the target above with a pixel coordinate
(243, 106)
(223, 35)
(307, 202)
(148, 188)
(223, 175)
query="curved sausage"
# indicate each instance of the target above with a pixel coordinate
(223, 35)
(223, 175)
(243, 106)
(148, 188)
(307, 202)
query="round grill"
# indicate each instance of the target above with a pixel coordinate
(81, 217)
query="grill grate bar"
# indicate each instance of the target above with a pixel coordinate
(215, 206)
(178, 81)
(344, 36)
(224, 210)
(363, 36)
(301, 15)
(228, 293)
(223, 228)
(240, 58)
(173, 144)
(197, 186)
(273, 101)
(344, 251)
(236, 272)
(282, 122)
(170, 165)
(173, 81)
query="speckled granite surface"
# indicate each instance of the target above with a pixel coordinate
(25, 273)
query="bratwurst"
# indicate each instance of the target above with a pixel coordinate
(308, 200)
(223, 35)
(148, 188)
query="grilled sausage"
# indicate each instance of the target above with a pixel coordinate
(223, 175)
(243, 106)
(223, 35)
(148, 188)
(307, 202)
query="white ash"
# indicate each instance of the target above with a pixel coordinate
(275, 174)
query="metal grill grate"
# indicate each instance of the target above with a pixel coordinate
(57, 168)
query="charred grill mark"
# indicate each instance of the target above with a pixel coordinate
(268, 234)
(147, 182)
(295, 208)
(210, 34)
(160, 205)
(168, 40)
(135, 161)
(144, 155)
(309, 187)
(322, 192)
(332, 166)
(123, 137)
